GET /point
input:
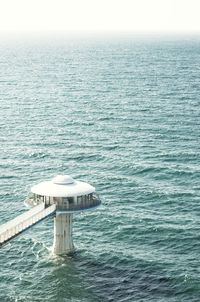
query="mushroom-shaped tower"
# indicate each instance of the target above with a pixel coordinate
(69, 196)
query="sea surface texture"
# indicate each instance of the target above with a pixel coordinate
(124, 115)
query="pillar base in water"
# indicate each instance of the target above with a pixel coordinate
(63, 243)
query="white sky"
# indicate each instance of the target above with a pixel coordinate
(100, 15)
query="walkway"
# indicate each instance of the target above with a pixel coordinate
(22, 222)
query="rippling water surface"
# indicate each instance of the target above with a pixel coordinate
(124, 115)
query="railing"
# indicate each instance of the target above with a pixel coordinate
(32, 201)
(22, 222)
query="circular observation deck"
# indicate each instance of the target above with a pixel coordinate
(68, 194)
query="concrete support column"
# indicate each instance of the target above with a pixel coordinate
(63, 242)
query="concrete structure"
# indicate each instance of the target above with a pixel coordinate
(63, 196)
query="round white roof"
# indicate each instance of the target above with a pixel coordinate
(63, 180)
(62, 186)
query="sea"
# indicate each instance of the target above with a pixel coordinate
(121, 112)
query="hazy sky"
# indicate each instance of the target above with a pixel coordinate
(101, 15)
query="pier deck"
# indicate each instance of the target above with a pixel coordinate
(22, 222)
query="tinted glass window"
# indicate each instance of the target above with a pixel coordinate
(70, 199)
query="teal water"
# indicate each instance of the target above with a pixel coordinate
(124, 115)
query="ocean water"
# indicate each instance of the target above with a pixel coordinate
(124, 115)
